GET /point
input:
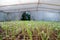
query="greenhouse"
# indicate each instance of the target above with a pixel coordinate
(46, 10)
(29, 19)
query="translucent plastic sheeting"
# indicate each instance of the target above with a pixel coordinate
(10, 2)
(51, 1)
(30, 5)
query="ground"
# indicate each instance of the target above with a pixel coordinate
(30, 30)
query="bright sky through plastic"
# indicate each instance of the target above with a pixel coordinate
(10, 2)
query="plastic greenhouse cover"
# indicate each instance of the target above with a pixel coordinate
(10, 2)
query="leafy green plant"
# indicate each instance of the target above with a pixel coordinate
(46, 30)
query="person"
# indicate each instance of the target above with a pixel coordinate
(25, 16)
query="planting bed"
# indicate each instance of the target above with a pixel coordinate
(29, 30)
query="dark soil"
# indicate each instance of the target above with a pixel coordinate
(35, 36)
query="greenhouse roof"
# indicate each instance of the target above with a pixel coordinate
(23, 5)
(10, 2)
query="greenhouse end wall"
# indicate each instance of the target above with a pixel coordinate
(45, 16)
(35, 15)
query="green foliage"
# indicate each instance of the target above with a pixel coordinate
(44, 29)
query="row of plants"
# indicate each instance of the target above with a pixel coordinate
(29, 30)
